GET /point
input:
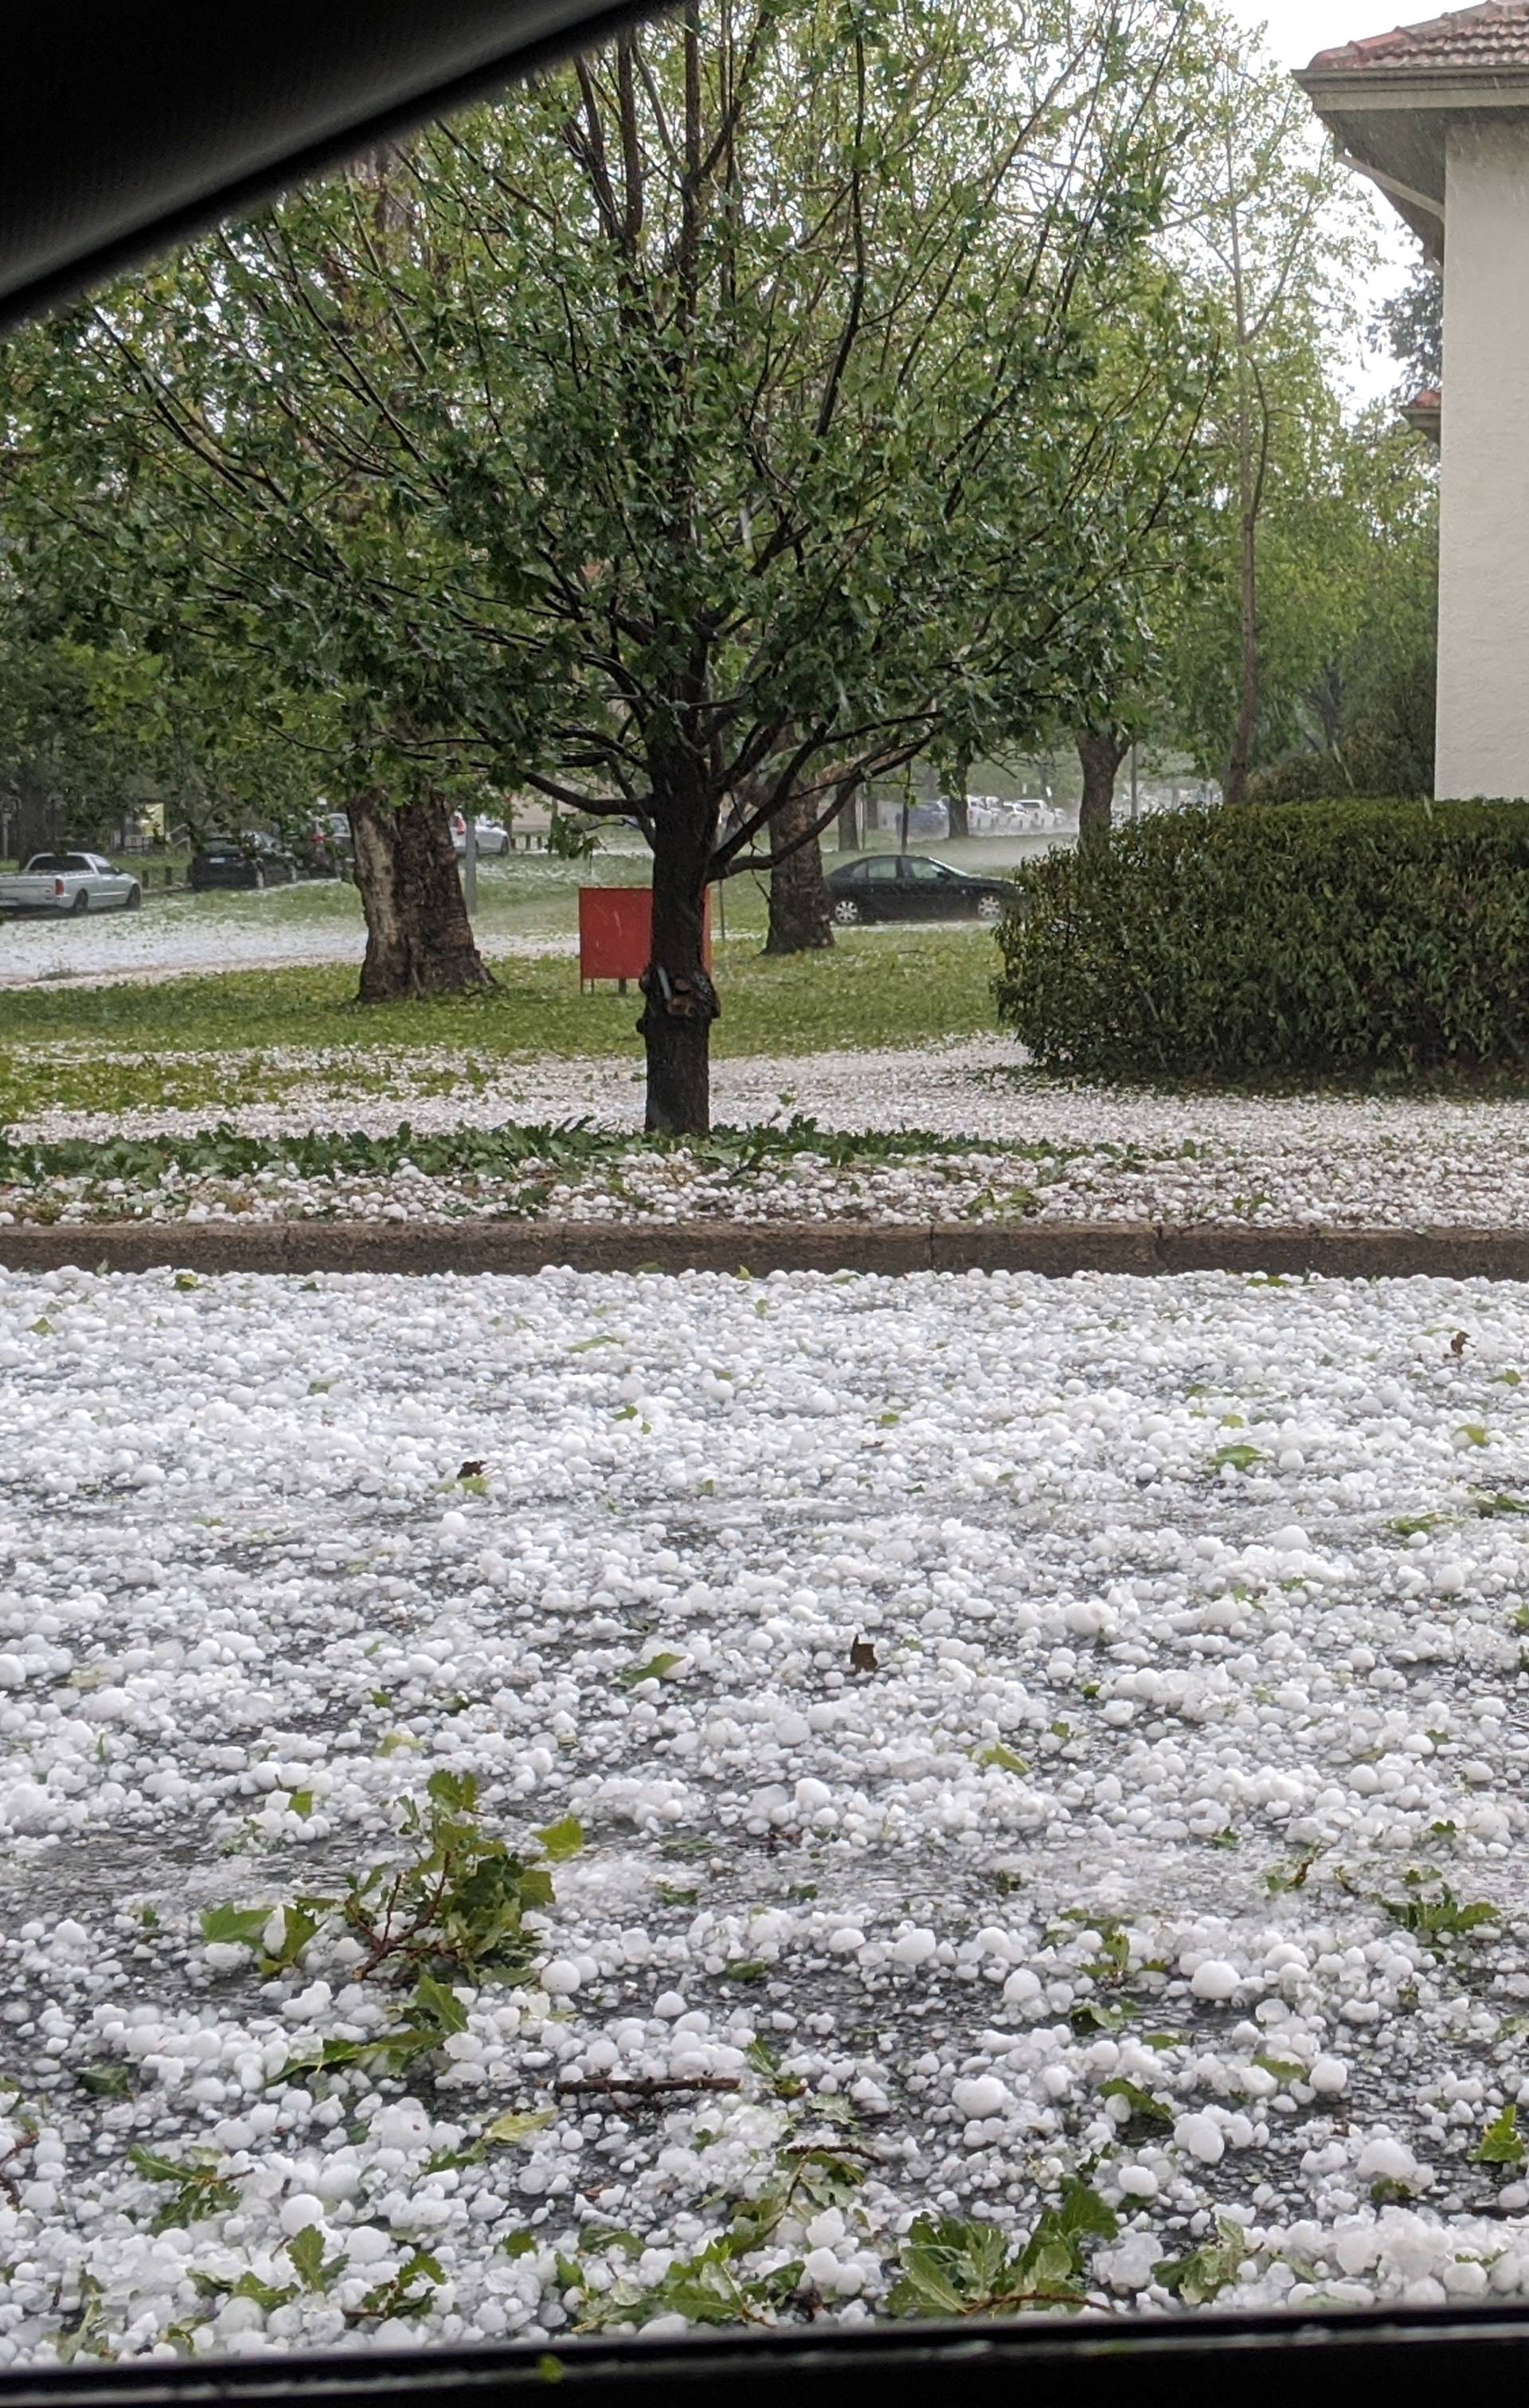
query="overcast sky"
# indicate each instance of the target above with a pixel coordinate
(1295, 31)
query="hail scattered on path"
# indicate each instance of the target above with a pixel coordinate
(1063, 1152)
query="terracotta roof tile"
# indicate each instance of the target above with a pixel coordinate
(1493, 36)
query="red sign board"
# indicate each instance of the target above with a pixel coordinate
(616, 932)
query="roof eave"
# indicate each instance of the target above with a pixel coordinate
(1348, 89)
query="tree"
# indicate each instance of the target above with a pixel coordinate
(193, 457)
(1155, 366)
(1161, 360)
(1267, 217)
(1347, 560)
(70, 770)
(813, 416)
(1371, 698)
(1409, 325)
(1100, 752)
(720, 417)
(800, 916)
(99, 734)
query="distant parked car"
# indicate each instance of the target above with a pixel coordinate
(74, 883)
(318, 851)
(911, 886)
(492, 836)
(241, 861)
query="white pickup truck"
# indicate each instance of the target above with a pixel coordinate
(70, 882)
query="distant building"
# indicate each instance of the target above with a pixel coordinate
(1437, 115)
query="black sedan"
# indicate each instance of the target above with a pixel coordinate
(241, 861)
(911, 886)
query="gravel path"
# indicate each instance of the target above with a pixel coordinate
(1018, 1732)
(1078, 1153)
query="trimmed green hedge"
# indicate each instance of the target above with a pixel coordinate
(1350, 936)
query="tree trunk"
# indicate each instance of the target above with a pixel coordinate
(953, 773)
(680, 1000)
(1251, 468)
(419, 937)
(1101, 751)
(801, 920)
(1327, 700)
(1240, 760)
(848, 824)
(36, 823)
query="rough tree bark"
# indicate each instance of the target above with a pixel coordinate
(1101, 751)
(848, 834)
(419, 937)
(680, 1000)
(957, 821)
(801, 917)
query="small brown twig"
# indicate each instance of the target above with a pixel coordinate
(650, 2086)
(17, 2149)
(377, 1930)
(833, 2149)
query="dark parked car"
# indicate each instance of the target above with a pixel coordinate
(911, 886)
(241, 861)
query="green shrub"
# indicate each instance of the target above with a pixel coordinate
(1300, 777)
(1347, 936)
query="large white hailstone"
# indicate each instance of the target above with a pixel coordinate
(366, 2244)
(914, 1947)
(1202, 2136)
(980, 2095)
(1022, 1988)
(1384, 2160)
(1215, 1979)
(826, 2230)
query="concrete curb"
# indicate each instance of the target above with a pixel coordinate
(1054, 1249)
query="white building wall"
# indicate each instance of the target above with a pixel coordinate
(1484, 595)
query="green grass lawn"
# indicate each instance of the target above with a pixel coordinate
(65, 1045)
